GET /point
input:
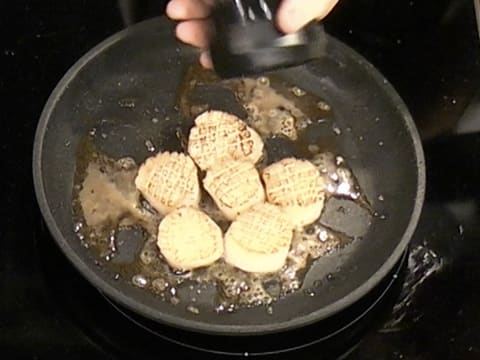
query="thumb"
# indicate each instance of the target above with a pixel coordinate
(295, 14)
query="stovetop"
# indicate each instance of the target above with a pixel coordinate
(429, 50)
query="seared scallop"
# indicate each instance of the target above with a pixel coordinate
(218, 136)
(297, 187)
(235, 187)
(258, 240)
(188, 239)
(168, 181)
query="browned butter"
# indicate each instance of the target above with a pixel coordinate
(107, 203)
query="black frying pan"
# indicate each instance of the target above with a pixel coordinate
(146, 64)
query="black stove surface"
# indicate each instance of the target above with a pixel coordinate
(430, 52)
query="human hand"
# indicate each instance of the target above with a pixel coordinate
(195, 27)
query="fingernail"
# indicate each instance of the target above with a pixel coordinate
(174, 11)
(206, 60)
(290, 19)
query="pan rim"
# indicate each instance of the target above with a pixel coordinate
(194, 325)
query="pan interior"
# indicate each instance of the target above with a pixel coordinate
(134, 77)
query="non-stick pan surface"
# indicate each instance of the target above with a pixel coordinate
(145, 65)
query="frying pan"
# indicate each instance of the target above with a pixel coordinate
(146, 65)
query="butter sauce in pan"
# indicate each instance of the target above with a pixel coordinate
(121, 227)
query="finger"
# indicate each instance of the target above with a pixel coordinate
(295, 14)
(188, 9)
(206, 60)
(195, 32)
